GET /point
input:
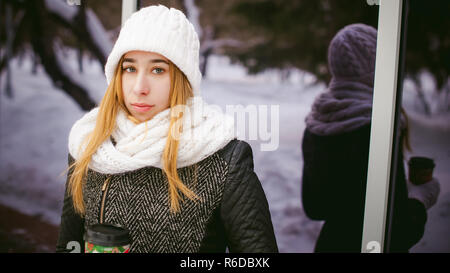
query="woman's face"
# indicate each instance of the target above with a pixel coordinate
(145, 83)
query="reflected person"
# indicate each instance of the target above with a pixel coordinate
(336, 151)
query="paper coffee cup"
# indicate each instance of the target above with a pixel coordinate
(420, 170)
(106, 238)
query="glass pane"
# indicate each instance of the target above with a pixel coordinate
(301, 72)
(422, 219)
(336, 133)
(314, 179)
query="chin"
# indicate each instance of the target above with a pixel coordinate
(143, 118)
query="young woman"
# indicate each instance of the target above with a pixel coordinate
(157, 160)
(336, 153)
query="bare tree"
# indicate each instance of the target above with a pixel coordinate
(40, 21)
(209, 42)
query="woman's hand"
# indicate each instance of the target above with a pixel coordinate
(427, 193)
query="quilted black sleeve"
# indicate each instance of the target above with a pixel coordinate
(409, 215)
(72, 224)
(244, 209)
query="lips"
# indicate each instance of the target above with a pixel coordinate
(142, 107)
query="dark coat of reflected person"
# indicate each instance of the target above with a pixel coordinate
(175, 187)
(336, 152)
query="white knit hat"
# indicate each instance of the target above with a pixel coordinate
(164, 31)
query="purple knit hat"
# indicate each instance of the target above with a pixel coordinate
(352, 52)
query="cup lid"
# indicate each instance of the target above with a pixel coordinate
(421, 162)
(107, 235)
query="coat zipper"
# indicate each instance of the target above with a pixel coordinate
(105, 188)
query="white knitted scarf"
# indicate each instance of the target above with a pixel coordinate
(206, 129)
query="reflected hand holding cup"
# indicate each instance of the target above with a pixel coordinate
(420, 170)
(421, 184)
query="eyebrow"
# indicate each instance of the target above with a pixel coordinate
(131, 60)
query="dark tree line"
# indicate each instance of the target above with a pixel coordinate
(260, 34)
(297, 34)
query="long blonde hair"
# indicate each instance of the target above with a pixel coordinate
(111, 103)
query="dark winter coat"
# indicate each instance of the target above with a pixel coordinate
(334, 188)
(233, 212)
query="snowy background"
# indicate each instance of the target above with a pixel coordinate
(35, 124)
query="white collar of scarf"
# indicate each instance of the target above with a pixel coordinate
(206, 129)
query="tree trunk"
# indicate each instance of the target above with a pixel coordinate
(204, 64)
(446, 100)
(80, 58)
(8, 52)
(43, 45)
(81, 31)
(421, 96)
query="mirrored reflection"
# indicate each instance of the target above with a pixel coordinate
(296, 36)
(336, 141)
(426, 112)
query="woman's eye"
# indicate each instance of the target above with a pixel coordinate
(129, 69)
(158, 70)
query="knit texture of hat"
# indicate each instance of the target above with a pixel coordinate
(352, 51)
(164, 31)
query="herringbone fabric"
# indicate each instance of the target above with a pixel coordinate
(138, 201)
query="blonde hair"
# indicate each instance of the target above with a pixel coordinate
(112, 101)
(405, 132)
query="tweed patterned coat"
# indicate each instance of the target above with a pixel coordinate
(232, 212)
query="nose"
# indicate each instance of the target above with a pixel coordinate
(141, 85)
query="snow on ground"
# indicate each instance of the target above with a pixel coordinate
(35, 124)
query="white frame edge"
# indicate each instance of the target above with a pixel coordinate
(382, 130)
(128, 7)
